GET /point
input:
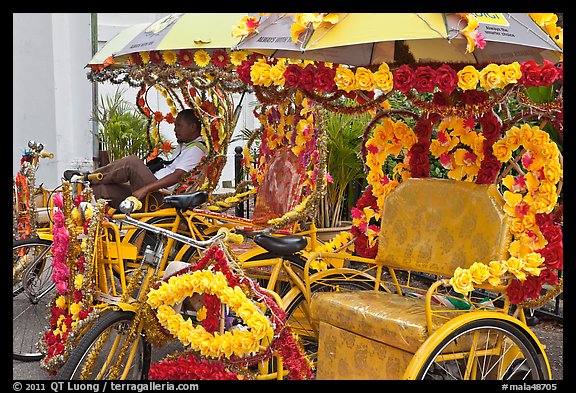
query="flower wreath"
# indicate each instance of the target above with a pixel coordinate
(267, 333)
(531, 197)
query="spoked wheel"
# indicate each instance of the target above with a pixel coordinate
(32, 292)
(108, 350)
(485, 349)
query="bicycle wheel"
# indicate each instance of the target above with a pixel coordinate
(97, 354)
(31, 296)
(485, 349)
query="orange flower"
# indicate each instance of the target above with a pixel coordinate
(166, 147)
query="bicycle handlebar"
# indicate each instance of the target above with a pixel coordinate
(131, 204)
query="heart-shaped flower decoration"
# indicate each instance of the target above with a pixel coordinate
(260, 332)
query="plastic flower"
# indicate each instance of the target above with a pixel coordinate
(462, 281)
(201, 58)
(383, 78)
(247, 25)
(220, 58)
(496, 270)
(237, 57)
(468, 78)
(169, 57)
(479, 272)
(491, 77)
(345, 79)
(364, 79)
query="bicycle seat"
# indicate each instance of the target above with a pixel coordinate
(186, 201)
(281, 246)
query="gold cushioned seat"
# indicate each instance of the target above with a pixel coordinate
(428, 225)
(399, 321)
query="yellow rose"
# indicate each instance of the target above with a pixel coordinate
(514, 138)
(462, 281)
(364, 79)
(553, 172)
(491, 77)
(345, 79)
(511, 72)
(468, 78)
(501, 150)
(260, 74)
(383, 78)
(516, 267)
(496, 270)
(532, 263)
(277, 74)
(479, 272)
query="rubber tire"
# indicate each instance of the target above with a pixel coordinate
(35, 313)
(508, 328)
(104, 322)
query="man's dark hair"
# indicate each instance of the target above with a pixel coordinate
(190, 116)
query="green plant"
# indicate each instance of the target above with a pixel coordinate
(121, 127)
(344, 163)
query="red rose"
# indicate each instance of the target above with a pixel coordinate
(419, 161)
(553, 255)
(243, 71)
(548, 73)
(424, 79)
(488, 170)
(532, 286)
(548, 276)
(325, 79)
(292, 75)
(403, 78)
(530, 73)
(446, 78)
(491, 126)
(515, 292)
(307, 78)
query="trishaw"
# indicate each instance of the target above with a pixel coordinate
(458, 231)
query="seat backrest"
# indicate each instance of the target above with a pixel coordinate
(435, 225)
(281, 188)
(204, 176)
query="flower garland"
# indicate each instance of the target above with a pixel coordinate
(190, 367)
(536, 249)
(72, 266)
(341, 242)
(235, 346)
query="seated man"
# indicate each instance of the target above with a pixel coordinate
(130, 175)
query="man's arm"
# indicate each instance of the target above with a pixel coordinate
(164, 182)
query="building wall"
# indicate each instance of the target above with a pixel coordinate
(53, 99)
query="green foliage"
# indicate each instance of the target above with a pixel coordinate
(344, 163)
(121, 127)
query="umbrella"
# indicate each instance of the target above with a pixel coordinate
(372, 38)
(118, 42)
(172, 32)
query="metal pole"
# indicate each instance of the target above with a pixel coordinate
(95, 141)
(238, 175)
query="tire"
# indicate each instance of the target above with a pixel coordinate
(527, 364)
(32, 293)
(109, 326)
